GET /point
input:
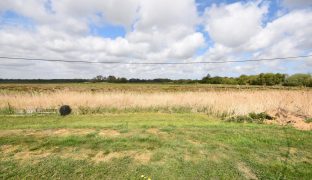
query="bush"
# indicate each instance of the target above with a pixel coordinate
(262, 115)
(65, 110)
(250, 118)
(308, 120)
(298, 80)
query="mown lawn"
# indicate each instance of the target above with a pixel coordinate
(156, 145)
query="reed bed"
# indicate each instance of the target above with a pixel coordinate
(229, 102)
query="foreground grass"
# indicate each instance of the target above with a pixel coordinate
(157, 145)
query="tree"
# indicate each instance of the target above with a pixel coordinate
(298, 80)
(111, 79)
(99, 78)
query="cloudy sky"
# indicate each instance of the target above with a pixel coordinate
(153, 31)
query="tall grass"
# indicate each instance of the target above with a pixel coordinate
(228, 102)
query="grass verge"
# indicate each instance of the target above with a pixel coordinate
(156, 145)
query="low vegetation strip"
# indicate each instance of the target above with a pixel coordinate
(137, 87)
(217, 103)
(156, 145)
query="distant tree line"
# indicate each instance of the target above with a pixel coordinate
(263, 79)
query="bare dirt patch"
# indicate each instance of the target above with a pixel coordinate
(246, 171)
(109, 133)
(284, 117)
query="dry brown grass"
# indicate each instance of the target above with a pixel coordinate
(23, 153)
(231, 101)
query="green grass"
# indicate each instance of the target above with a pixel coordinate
(157, 145)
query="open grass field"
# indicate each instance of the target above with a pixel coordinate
(160, 131)
(156, 145)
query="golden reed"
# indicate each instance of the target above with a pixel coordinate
(236, 102)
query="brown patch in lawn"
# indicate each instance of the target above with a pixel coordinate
(66, 132)
(101, 157)
(72, 153)
(217, 157)
(153, 131)
(137, 156)
(26, 155)
(194, 142)
(246, 171)
(293, 151)
(157, 132)
(143, 157)
(109, 133)
(187, 157)
(284, 117)
(10, 132)
(76, 154)
(48, 132)
(7, 149)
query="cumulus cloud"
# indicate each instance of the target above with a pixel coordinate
(155, 31)
(282, 37)
(233, 25)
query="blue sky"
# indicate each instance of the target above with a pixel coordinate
(154, 31)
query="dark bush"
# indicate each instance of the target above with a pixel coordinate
(65, 110)
(239, 119)
(250, 118)
(308, 120)
(260, 116)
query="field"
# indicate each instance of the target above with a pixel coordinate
(122, 131)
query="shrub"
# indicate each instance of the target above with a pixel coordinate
(260, 116)
(65, 110)
(308, 120)
(239, 119)
(250, 118)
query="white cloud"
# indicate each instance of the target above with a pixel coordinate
(187, 46)
(160, 32)
(162, 14)
(156, 31)
(233, 25)
(285, 36)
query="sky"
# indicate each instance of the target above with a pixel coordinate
(153, 31)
